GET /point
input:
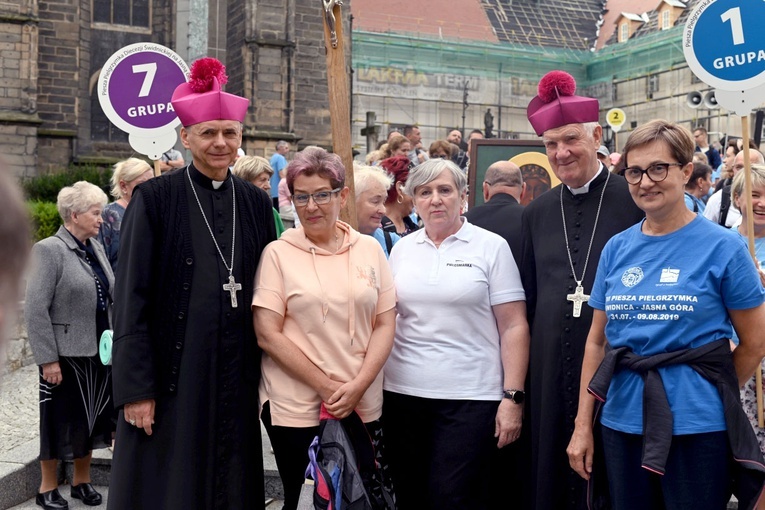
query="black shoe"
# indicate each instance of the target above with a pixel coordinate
(52, 500)
(86, 493)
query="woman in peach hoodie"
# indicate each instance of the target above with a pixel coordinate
(324, 317)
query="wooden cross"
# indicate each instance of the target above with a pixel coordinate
(578, 297)
(231, 287)
(338, 76)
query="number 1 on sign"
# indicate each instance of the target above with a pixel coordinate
(150, 69)
(737, 29)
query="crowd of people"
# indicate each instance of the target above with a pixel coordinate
(593, 349)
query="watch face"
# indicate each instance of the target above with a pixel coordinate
(518, 397)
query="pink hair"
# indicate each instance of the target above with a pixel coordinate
(314, 160)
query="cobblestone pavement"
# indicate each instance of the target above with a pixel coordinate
(19, 412)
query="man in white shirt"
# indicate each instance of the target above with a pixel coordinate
(718, 206)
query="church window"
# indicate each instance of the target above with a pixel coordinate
(131, 13)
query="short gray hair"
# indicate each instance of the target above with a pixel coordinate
(127, 170)
(365, 176)
(78, 198)
(429, 170)
(589, 127)
(282, 143)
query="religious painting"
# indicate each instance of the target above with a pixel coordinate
(529, 155)
(537, 174)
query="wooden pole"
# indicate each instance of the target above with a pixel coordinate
(750, 237)
(339, 100)
(157, 170)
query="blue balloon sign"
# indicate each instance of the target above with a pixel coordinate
(724, 43)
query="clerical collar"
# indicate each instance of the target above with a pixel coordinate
(205, 182)
(586, 188)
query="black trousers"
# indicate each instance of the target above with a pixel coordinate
(440, 451)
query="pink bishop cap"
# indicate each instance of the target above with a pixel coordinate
(556, 105)
(201, 99)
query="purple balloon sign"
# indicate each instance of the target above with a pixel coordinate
(141, 87)
(135, 88)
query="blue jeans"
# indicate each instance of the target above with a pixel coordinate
(697, 476)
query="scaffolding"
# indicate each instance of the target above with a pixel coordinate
(420, 79)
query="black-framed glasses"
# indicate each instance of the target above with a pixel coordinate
(657, 172)
(319, 198)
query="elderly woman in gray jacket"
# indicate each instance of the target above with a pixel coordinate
(67, 308)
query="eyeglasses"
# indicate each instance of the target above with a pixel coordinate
(319, 198)
(656, 172)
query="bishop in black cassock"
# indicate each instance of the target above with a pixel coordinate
(186, 364)
(557, 335)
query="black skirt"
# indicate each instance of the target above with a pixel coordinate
(77, 415)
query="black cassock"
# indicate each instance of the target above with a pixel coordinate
(557, 337)
(205, 451)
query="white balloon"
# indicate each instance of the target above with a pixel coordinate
(155, 145)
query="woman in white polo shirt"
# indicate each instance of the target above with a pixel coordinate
(461, 343)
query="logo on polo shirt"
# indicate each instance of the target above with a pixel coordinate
(459, 263)
(669, 275)
(632, 276)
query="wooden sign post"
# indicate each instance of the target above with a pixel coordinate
(339, 99)
(715, 34)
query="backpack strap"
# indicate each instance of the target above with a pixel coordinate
(695, 204)
(388, 241)
(724, 205)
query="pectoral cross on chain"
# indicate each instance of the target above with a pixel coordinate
(231, 287)
(578, 297)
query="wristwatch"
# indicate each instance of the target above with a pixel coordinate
(517, 396)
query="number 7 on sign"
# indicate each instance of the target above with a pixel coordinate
(150, 69)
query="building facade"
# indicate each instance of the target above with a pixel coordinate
(470, 65)
(52, 51)
(407, 72)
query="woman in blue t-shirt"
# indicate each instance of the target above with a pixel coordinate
(697, 188)
(667, 295)
(748, 393)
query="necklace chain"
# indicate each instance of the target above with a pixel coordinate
(204, 217)
(592, 238)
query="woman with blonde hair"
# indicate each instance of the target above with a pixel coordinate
(127, 174)
(257, 170)
(371, 185)
(749, 392)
